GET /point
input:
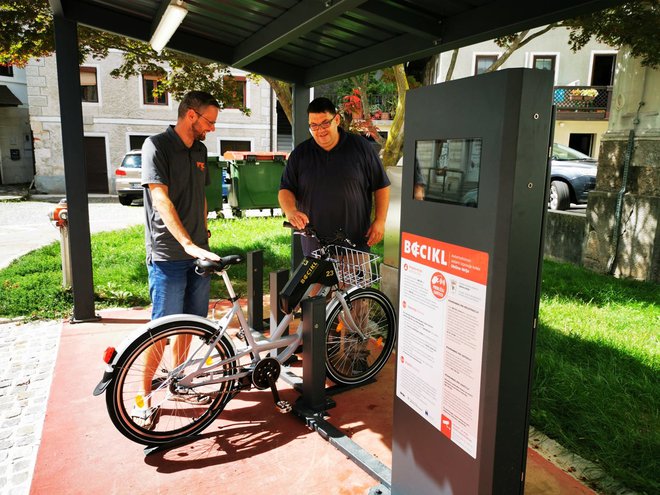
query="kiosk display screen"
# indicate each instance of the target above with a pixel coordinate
(447, 171)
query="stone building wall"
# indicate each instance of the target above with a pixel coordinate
(120, 113)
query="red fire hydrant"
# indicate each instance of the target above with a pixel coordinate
(59, 217)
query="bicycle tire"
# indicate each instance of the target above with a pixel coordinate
(175, 418)
(349, 358)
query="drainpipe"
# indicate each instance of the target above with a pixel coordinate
(270, 134)
(618, 212)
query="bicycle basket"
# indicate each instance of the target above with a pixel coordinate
(354, 268)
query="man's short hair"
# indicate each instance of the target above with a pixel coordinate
(321, 105)
(198, 101)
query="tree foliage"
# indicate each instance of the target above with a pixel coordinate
(633, 24)
(27, 32)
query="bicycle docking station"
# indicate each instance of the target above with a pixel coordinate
(469, 253)
(313, 404)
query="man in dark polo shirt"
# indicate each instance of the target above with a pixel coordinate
(330, 180)
(174, 177)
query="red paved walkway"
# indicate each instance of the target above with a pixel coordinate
(250, 449)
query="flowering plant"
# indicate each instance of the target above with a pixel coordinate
(353, 103)
(589, 92)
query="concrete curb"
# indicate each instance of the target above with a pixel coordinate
(579, 468)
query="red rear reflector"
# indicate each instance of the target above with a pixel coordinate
(109, 354)
(120, 172)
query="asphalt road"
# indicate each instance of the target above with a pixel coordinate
(25, 226)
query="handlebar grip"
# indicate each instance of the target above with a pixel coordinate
(288, 225)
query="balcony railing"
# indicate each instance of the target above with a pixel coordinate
(582, 102)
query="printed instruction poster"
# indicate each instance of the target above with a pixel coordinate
(441, 331)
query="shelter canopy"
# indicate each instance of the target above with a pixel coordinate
(309, 42)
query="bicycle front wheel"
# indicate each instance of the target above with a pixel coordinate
(353, 357)
(145, 400)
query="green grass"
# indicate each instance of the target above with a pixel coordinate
(32, 285)
(597, 361)
(596, 385)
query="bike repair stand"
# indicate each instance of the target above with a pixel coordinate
(313, 404)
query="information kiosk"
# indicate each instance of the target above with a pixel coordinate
(472, 208)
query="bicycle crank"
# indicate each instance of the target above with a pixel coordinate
(265, 374)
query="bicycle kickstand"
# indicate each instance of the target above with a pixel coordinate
(282, 406)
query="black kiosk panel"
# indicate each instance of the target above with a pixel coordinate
(473, 204)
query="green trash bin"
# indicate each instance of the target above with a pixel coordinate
(255, 180)
(214, 191)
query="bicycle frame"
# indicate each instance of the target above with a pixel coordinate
(254, 347)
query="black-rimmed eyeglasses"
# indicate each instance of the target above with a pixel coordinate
(323, 125)
(207, 120)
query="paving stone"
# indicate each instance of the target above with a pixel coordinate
(27, 360)
(20, 478)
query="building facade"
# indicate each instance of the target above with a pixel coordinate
(119, 114)
(581, 119)
(16, 160)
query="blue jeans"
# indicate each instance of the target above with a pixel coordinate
(175, 288)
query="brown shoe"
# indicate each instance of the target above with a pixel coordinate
(145, 417)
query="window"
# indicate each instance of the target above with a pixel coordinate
(483, 62)
(545, 62)
(135, 142)
(602, 69)
(226, 145)
(239, 90)
(150, 86)
(6, 70)
(88, 85)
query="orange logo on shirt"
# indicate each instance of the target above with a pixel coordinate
(201, 165)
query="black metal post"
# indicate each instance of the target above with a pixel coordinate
(276, 282)
(301, 95)
(75, 177)
(255, 272)
(313, 387)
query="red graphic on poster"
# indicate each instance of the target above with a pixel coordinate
(455, 260)
(438, 285)
(445, 426)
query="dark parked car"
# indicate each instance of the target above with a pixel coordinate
(572, 176)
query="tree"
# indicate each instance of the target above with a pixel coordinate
(27, 32)
(633, 24)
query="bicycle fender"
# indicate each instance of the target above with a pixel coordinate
(109, 373)
(335, 302)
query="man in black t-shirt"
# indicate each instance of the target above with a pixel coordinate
(332, 181)
(174, 177)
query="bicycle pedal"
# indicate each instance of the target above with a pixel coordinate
(283, 406)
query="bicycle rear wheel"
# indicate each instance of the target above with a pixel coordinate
(351, 358)
(175, 411)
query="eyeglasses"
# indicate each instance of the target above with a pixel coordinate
(323, 125)
(212, 124)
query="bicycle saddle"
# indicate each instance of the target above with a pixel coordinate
(205, 267)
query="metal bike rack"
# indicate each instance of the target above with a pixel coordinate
(313, 403)
(255, 271)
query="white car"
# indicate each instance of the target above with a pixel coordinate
(128, 178)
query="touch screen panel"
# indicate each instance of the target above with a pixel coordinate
(447, 171)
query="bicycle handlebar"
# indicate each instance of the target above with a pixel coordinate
(309, 231)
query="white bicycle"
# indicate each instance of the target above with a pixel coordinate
(179, 372)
